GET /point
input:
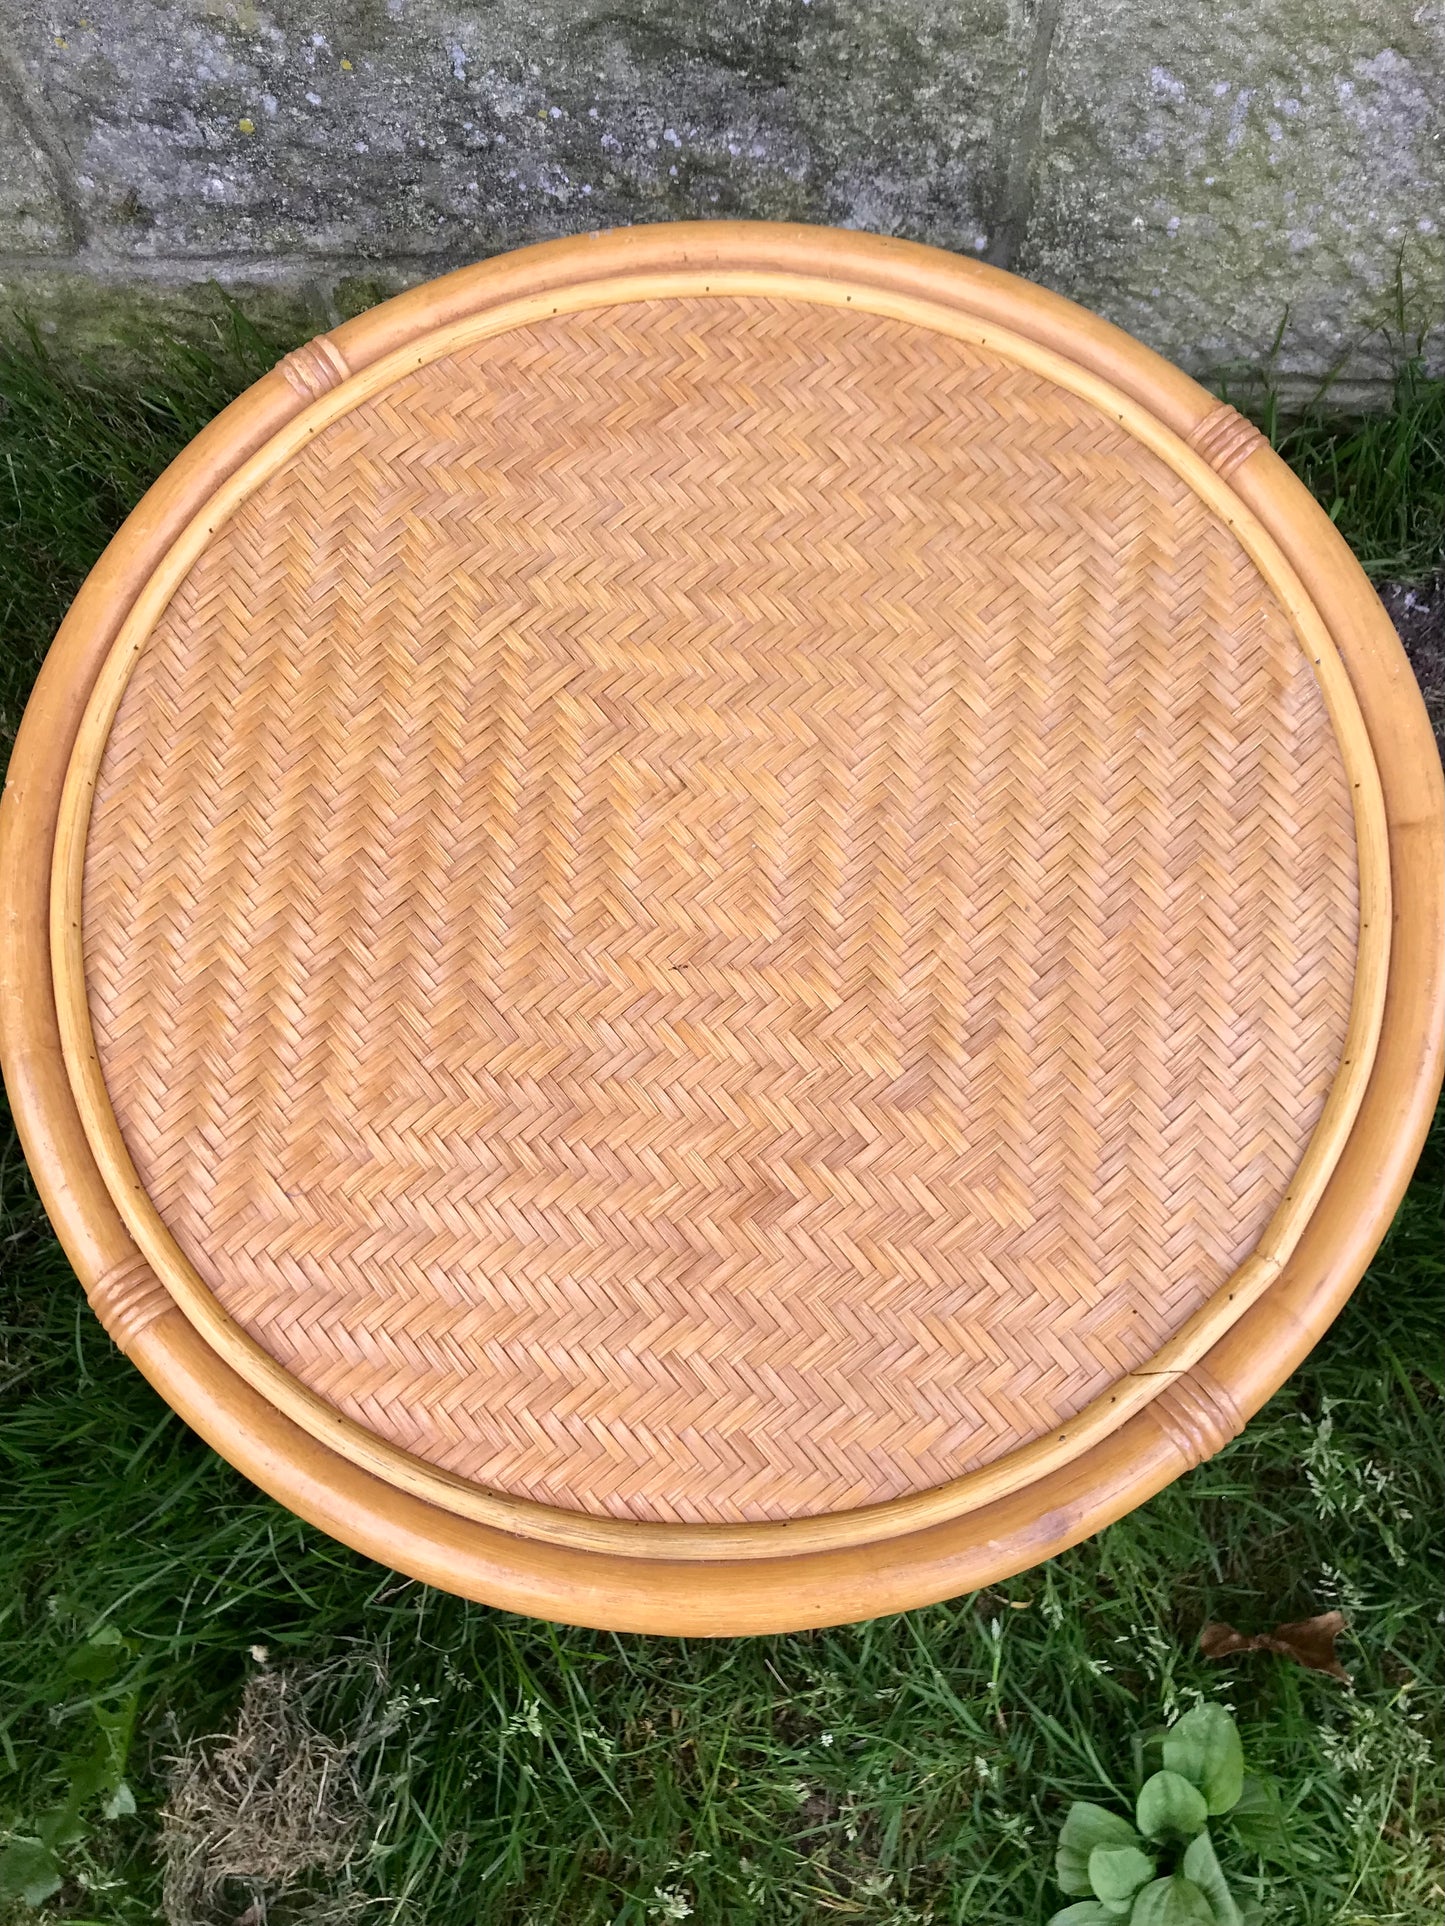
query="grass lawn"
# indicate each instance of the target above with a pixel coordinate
(435, 1761)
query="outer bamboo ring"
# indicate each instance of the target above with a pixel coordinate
(630, 1538)
(653, 1586)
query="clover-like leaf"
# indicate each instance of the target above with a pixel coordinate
(1169, 1804)
(1172, 1902)
(1201, 1864)
(1117, 1872)
(1084, 1912)
(1085, 1827)
(1203, 1747)
(30, 1871)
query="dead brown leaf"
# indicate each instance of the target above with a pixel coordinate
(1308, 1641)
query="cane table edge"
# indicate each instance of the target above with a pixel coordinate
(1351, 1217)
(328, 393)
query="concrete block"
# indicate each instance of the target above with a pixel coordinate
(426, 131)
(1213, 176)
(33, 216)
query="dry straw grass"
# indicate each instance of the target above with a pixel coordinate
(266, 1821)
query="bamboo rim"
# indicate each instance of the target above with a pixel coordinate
(635, 1539)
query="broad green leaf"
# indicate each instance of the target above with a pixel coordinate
(1086, 1827)
(121, 1803)
(29, 1871)
(63, 1826)
(92, 1774)
(1203, 1747)
(1259, 1824)
(1172, 1902)
(98, 1657)
(1117, 1872)
(1085, 1912)
(1258, 1794)
(1201, 1864)
(1168, 1803)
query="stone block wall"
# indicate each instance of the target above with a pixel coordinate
(1229, 179)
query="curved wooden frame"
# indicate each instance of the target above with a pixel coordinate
(627, 1537)
(628, 1575)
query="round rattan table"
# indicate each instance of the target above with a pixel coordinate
(722, 927)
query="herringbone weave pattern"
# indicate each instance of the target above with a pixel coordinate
(719, 910)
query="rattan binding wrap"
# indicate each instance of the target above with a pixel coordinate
(719, 904)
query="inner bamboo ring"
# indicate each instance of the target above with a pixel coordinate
(1129, 1393)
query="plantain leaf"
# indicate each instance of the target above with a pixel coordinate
(1084, 1912)
(1172, 1902)
(1117, 1872)
(1203, 1747)
(1085, 1827)
(1169, 1804)
(1201, 1864)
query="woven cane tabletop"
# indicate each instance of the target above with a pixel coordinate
(710, 905)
